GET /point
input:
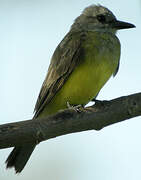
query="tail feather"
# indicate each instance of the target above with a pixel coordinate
(19, 157)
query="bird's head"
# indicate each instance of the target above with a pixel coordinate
(97, 17)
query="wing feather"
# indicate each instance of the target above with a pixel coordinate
(63, 62)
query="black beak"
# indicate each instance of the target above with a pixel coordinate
(121, 25)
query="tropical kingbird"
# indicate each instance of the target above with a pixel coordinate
(81, 64)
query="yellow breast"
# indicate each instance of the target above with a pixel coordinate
(98, 62)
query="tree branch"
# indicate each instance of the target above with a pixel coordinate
(95, 117)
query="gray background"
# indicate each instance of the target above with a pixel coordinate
(30, 30)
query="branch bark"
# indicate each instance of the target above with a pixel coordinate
(95, 117)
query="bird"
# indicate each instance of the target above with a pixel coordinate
(82, 63)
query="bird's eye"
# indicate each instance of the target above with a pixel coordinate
(101, 18)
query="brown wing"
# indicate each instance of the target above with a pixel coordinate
(63, 62)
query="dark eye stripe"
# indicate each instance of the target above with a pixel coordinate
(101, 18)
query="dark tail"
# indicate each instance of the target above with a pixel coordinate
(19, 157)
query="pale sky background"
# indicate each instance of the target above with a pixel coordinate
(30, 30)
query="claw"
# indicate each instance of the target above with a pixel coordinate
(76, 108)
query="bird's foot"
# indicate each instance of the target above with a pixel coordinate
(77, 108)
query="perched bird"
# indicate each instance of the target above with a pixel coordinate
(81, 64)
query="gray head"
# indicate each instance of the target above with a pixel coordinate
(97, 17)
